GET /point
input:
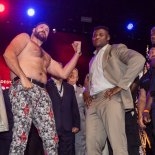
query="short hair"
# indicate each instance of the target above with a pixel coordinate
(153, 46)
(41, 23)
(101, 27)
(153, 28)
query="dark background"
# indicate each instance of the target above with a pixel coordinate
(66, 16)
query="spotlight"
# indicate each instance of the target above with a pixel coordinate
(2, 7)
(31, 12)
(54, 30)
(130, 26)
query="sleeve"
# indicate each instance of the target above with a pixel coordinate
(134, 62)
(75, 111)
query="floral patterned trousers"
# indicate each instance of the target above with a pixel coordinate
(32, 105)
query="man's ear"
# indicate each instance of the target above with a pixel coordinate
(108, 37)
(33, 29)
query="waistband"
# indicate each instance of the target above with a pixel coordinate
(42, 85)
(101, 94)
(98, 95)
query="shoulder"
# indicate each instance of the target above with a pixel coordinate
(23, 36)
(21, 40)
(49, 83)
(115, 46)
(68, 85)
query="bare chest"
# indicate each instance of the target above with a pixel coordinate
(34, 54)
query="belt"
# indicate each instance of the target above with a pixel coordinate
(42, 85)
(95, 96)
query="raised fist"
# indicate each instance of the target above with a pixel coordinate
(77, 46)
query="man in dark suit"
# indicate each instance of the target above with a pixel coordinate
(66, 114)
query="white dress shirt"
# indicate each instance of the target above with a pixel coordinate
(98, 82)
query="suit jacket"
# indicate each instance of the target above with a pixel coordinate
(120, 67)
(80, 137)
(3, 115)
(81, 106)
(65, 108)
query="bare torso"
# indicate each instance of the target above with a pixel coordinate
(33, 61)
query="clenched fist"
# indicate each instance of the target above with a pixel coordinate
(77, 47)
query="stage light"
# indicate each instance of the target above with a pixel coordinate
(130, 26)
(31, 12)
(54, 30)
(2, 7)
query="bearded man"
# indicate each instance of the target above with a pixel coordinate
(29, 65)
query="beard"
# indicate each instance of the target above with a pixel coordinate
(40, 36)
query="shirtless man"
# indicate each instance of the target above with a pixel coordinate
(29, 64)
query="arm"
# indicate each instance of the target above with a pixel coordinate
(86, 94)
(134, 62)
(55, 69)
(75, 113)
(13, 50)
(87, 98)
(141, 107)
(146, 113)
(11, 57)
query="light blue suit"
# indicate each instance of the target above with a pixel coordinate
(80, 137)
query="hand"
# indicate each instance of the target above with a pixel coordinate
(110, 92)
(26, 83)
(140, 122)
(146, 117)
(75, 130)
(87, 99)
(77, 46)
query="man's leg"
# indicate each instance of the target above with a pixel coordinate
(115, 126)
(153, 118)
(34, 143)
(80, 145)
(132, 132)
(43, 119)
(22, 120)
(95, 132)
(66, 143)
(80, 137)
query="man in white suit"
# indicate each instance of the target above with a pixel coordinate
(111, 72)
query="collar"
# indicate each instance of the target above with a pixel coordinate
(103, 49)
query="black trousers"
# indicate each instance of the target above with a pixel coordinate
(34, 144)
(132, 133)
(66, 143)
(153, 116)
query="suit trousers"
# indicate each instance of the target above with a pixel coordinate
(66, 143)
(106, 118)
